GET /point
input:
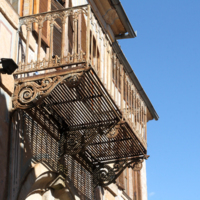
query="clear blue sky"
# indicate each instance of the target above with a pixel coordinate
(165, 56)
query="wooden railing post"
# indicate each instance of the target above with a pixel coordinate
(111, 72)
(122, 87)
(51, 40)
(145, 121)
(28, 29)
(139, 118)
(142, 122)
(126, 85)
(118, 79)
(40, 25)
(109, 75)
(96, 46)
(131, 104)
(63, 39)
(141, 113)
(128, 108)
(135, 108)
(115, 76)
(79, 33)
(88, 33)
(108, 66)
(101, 56)
(75, 20)
(105, 60)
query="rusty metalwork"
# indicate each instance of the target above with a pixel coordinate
(76, 111)
(81, 112)
(114, 131)
(93, 121)
(38, 21)
(105, 174)
(29, 94)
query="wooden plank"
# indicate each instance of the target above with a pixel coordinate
(28, 29)
(122, 87)
(88, 33)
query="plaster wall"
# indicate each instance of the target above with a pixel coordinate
(144, 181)
(9, 13)
(79, 2)
(8, 33)
(4, 132)
(109, 196)
(7, 38)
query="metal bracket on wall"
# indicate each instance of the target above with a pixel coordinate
(105, 174)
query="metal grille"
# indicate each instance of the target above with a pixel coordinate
(45, 148)
(80, 178)
(74, 126)
(79, 113)
(83, 106)
(124, 145)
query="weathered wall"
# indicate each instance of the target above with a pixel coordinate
(4, 132)
(8, 27)
(8, 31)
(79, 2)
(144, 181)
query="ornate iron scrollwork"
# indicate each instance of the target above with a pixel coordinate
(28, 94)
(114, 131)
(73, 80)
(73, 143)
(105, 174)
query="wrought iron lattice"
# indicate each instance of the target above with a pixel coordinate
(44, 148)
(72, 116)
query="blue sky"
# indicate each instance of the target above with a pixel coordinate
(165, 56)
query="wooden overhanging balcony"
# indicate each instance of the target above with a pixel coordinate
(74, 85)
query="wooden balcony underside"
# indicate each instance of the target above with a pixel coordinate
(75, 109)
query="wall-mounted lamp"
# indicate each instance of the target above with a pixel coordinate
(9, 66)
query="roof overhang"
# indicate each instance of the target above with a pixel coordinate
(125, 21)
(112, 16)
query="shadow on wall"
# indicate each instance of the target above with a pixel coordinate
(42, 183)
(4, 134)
(30, 177)
(33, 145)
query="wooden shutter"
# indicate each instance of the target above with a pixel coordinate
(83, 33)
(57, 35)
(41, 6)
(57, 30)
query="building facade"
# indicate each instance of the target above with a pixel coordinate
(73, 122)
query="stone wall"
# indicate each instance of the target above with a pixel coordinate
(8, 32)
(4, 132)
(144, 181)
